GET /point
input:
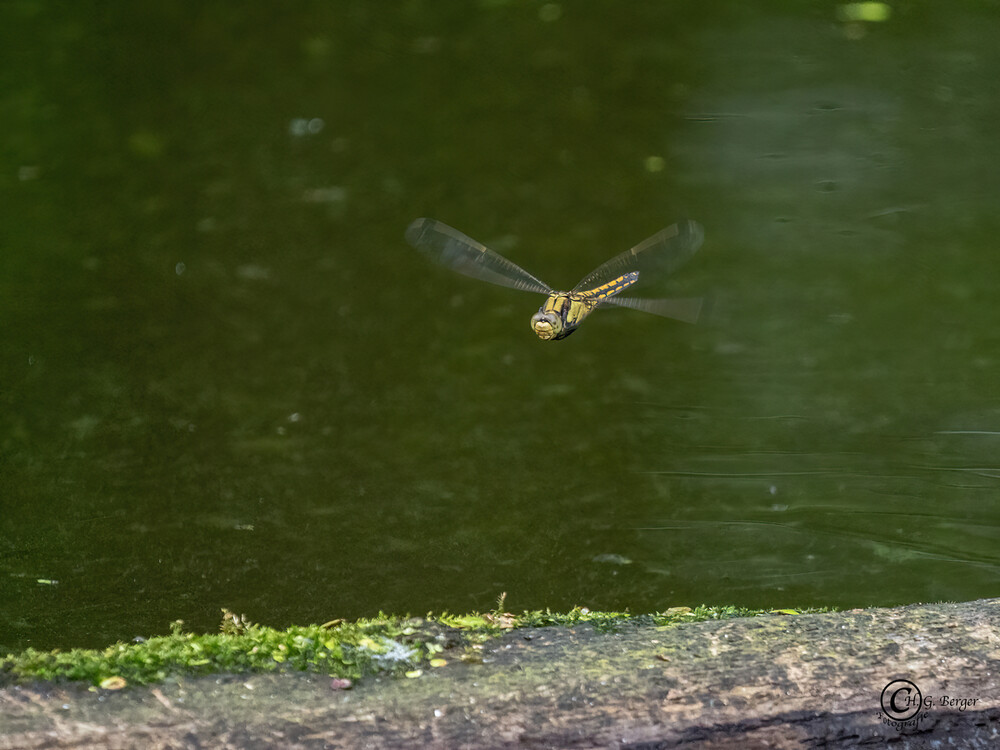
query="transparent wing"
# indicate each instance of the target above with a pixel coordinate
(454, 250)
(684, 308)
(654, 258)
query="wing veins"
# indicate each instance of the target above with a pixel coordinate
(452, 249)
(686, 309)
(654, 257)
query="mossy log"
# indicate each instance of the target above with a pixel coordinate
(777, 681)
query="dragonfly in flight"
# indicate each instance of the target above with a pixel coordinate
(562, 312)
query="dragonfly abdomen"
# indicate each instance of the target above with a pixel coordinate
(613, 287)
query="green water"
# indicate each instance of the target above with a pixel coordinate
(226, 381)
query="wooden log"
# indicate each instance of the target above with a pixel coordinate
(776, 682)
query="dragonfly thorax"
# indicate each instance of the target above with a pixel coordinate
(561, 314)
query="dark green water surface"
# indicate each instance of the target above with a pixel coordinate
(226, 381)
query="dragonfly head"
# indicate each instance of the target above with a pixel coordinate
(546, 325)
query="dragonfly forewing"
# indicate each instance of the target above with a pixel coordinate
(654, 257)
(460, 253)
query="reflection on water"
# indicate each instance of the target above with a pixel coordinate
(227, 382)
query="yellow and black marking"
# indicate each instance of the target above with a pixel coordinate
(562, 312)
(613, 287)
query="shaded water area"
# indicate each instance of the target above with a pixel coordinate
(226, 381)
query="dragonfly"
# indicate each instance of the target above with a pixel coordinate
(563, 312)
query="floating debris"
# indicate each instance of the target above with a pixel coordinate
(612, 559)
(871, 12)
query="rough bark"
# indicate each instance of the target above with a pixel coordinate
(776, 682)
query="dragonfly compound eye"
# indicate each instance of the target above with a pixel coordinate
(546, 325)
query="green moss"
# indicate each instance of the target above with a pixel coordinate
(382, 645)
